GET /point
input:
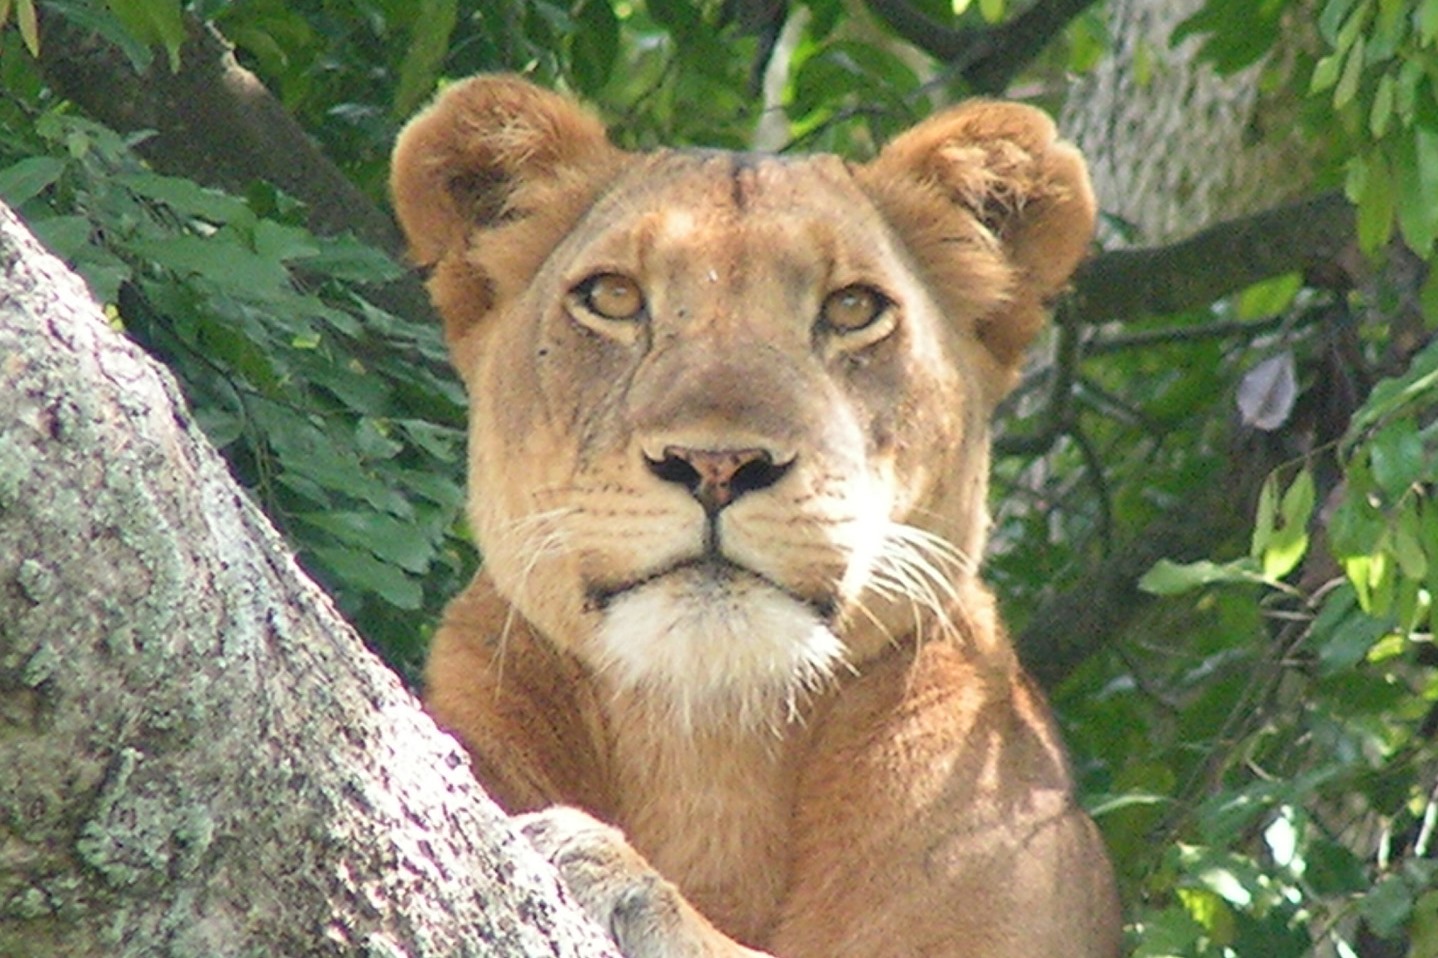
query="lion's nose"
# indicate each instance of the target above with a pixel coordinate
(716, 477)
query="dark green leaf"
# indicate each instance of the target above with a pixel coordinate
(29, 177)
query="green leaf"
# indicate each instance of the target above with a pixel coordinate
(1325, 72)
(29, 28)
(1290, 540)
(281, 243)
(1371, 187)
(1382, 110)
(29, 178)
(1387, 906)
(1398, 458)
(1266, 517)
(1391, 396)
(1417, 169)
(404, 544)
(358, 568)
(1172, 578)
(434, 24)
(1407, 543)
(1333, 869)
(159, 22)
(1270, 297)
(1332, 19)
(1343, 644)
(66, 236)
(1348, 80)
(1389, 29)
(220, 260)
(594, 44)
(1423, 935)
(188, 198)
(1428, 534)
(346, 258)
(1428, 21)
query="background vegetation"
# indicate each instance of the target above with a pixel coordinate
(1217, 540)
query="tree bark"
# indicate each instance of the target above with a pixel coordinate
(197, 756)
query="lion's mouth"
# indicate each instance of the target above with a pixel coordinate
(720, 576)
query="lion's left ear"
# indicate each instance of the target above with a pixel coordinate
(1003, 165)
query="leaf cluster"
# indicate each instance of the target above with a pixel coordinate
(338, 416)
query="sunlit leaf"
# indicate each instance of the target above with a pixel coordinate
(1173, 578)
(29, 28)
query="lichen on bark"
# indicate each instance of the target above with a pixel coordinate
(199, 757)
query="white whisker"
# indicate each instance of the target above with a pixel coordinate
(537, 537)
(925, 569)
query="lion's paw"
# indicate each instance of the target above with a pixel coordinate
(615, 886)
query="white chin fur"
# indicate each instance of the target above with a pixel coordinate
(716, 649)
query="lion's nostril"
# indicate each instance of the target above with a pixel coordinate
(674, 469)
(759, 473)
(716, 477)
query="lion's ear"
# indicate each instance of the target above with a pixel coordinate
(461, 163)
(1003, 165)
(491, 153)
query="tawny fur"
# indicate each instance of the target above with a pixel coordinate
(798, 711)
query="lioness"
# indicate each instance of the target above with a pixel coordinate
(728, 462)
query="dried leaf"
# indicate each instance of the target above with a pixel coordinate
(1268, 391)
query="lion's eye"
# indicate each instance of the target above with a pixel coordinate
(852, 308)
(612, 295)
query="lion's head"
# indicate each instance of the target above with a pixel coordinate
(729, 423)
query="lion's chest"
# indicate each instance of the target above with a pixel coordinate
(713, 815)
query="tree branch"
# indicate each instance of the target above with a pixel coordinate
(986, 59)
(1221, 259)
(198, 756)
(1130, 284)
(215, 123)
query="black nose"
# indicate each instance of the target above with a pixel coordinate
(716, 477)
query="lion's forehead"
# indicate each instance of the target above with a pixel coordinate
(734, 216)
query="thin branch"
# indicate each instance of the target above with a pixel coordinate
(986, 59)
(1093, 469)
(1236, 329)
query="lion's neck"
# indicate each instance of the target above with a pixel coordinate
(710, 808)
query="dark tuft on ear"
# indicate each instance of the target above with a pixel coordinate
(492, 152)
(458, 165)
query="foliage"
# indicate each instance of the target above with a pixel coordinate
(1258, 745)
(338, 416)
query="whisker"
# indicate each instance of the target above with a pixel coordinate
(925, 569)
(537, 537)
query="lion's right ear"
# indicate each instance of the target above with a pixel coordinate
(492, 152)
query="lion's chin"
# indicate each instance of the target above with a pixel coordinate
(716, 648)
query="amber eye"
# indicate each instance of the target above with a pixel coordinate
(852, 308)
(612, 296)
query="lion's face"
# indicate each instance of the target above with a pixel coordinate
(729, 421)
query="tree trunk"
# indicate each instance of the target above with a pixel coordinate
(197, 756)
(1173, 146)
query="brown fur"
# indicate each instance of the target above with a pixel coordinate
(800, 710)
